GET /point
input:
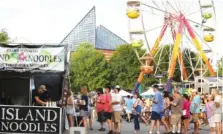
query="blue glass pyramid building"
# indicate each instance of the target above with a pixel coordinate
(86, 31)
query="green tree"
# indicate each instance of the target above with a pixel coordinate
(4, 36)
(88, 68)
(125, 67)
(220, 67)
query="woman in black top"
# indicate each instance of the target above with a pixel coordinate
(84, 106)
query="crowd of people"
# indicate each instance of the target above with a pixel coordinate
(174, 111)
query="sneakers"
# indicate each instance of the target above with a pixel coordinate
(110, 132)
(101, 129)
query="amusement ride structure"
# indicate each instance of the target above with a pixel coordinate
(185, 25)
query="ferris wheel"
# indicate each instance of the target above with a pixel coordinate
(184, 26)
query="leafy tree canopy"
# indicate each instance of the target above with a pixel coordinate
(88, 68)
(125, 67)
(220, 67)
(4, 36)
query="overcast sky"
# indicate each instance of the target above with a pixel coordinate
(49, 21)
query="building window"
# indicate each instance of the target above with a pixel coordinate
(199, 80)
(199, 89)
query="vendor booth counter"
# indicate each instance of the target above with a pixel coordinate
(30, 120)
(23, 68)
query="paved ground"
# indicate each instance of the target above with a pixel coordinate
(128, 128)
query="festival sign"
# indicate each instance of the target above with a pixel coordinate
(30, 120)
(44, 58)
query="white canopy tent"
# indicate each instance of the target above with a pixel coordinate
(148, 92)
(123, 93)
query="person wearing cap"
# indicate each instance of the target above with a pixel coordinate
(157, 107)
(117, 108)
(39, 97)
(195, 110)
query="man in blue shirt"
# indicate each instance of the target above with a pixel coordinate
(195, 110)
(156, 109)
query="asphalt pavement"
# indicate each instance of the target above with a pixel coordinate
(128, 128)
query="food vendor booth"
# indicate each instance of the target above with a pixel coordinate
(23, 68)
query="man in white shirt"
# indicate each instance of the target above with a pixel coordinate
(117, 108)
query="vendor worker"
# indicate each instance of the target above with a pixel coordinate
(40, 96)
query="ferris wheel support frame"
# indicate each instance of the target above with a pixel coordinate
(176, 53)
(176, 48)
(182, 66)
(199, 47)
(152, 53)
(183, 21)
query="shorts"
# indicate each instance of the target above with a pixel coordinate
(211, 121)
(89, 113)
(128, 111)
(155, 116)
(195, 117)
(116, 117)
(83, 113)
(166, 113)
(108, 116)
(69, 111)
(184, 118)
(101, 117)
(176, 119)
(217, 118)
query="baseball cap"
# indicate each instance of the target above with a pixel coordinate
(43, 87)
(194, 90)
(117, 87)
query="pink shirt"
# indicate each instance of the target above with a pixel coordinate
(186, 106)
(209, 109)
(107, 106)
(100, 106)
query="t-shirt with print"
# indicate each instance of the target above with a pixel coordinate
(117, 98)
(179, 105)
(218, 99)
(196, 101)
(107, 105)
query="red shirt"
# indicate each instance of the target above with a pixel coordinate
(100, 106)
(107, 106)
